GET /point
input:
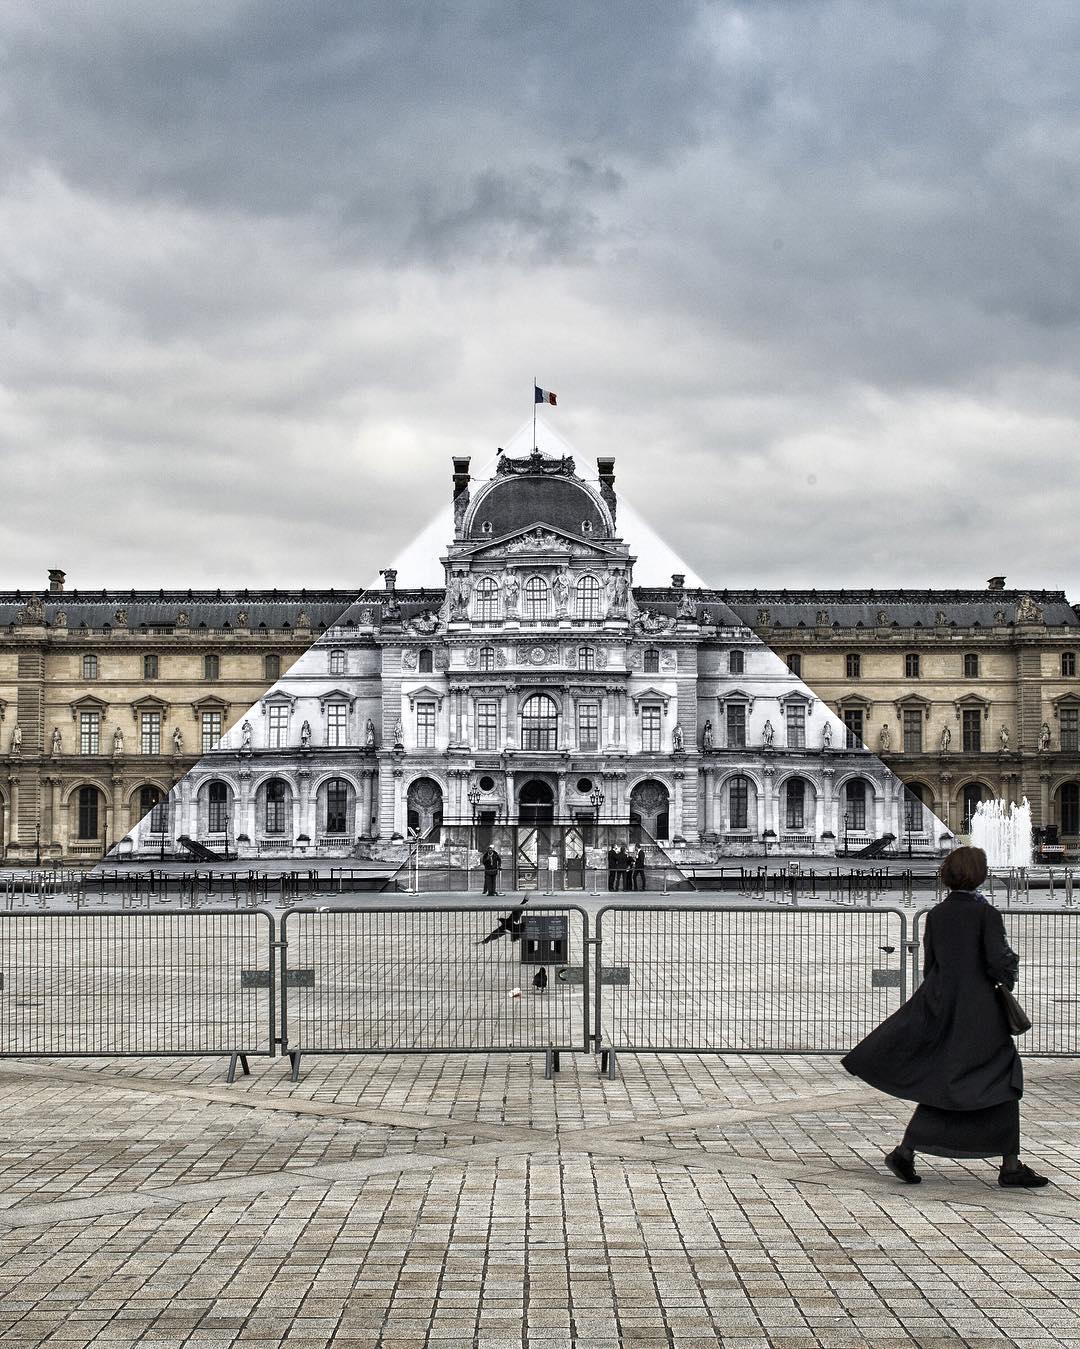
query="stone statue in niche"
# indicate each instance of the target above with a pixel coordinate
(560, 591)
(177, 741)
(399, 735)
(622, 592)
(687, 608)
(946, 740)
(16, 739)
(1003, 739)
(767, 735)
(677, 738)
(245, 738)
(826, 735)
(763, 618)
(1044, 737)
(707, 735)
(460, 595)
(885, 738)
(57, 741)
(305, 735)
(369, 734)
(511, 591)
(117, 742)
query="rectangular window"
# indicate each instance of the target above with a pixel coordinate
(650, 728)
(794, 664)
(588, 725)
(853, 721)
(217, 813)
(971, 729)
(150, 732)
(1068, 664)
(736, 725)
(211, 730)
(652, 661)
(337, 724)
(1069, 718)
(425, 725)
(277, 726)
(90, 667)
(586, 658)
(796, 726)
(89, 732)
(150, 667)
(853, 666)
(487, 726)
(913, 724)
(911, 665)
(971, 666)
(735, 662)
(211, 667)
(738, 802)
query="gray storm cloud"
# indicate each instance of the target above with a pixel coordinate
(808, 271)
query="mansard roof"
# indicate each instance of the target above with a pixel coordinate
(537, 490)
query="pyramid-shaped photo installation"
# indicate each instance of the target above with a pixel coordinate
(536, 670)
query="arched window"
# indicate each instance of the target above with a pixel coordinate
(972, 794)
(272, 667)
(588, 598)
(487, 600)
(739, 803)
(539, 723)
(88, 812)
(152, 803)
(427, 660)
(855, 803)
(487, 659)
(89, 667)
(795, 804)
(536, 594)
(337, 806)
(914, 800)
(211, 667)
(735, 662)
(337, 661)
(275, 806)
(586, 658)
(652, 661)
(1069, 799)
(217, 813)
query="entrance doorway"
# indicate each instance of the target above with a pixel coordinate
(536, 803)
(535, 842)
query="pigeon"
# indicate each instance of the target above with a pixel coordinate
(511, 925)
(540, 979)
(887, 949)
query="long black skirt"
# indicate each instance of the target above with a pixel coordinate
(993, 1132)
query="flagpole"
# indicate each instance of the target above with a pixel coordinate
(534, 412)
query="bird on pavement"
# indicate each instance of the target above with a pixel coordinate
(540, 979)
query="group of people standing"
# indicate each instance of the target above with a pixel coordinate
(626, 870)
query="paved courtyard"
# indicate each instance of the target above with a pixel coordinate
(394, 1202)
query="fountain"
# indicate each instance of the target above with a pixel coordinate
(1003, 831)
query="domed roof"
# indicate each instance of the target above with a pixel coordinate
(537, 490)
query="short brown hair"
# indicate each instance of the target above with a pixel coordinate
(964, 869)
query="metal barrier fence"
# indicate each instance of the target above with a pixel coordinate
(740, 980)
(132, 984)
(1048, 985)
(397, 980)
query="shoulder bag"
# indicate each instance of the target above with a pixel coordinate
(1018, 1020)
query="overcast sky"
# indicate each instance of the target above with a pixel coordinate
(809, 271)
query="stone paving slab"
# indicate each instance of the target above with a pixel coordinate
(416, 1201)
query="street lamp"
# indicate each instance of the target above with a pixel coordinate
(226, 836)
(847, 821)
(474, 800)
(596, 796)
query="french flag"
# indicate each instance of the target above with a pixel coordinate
(543, 395)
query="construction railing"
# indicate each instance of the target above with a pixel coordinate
(123, 984)
(400, 980)
(738, 980)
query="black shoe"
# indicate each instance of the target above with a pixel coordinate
(902, 1168)
(1023, 1177)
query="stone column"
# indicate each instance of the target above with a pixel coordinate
(510, 737)
(1044, 799)
(511, 804)
(13, 798)
(768, 801)
(709, 811)
(400, 815)
(245, 806)
(677, 805)
(363, 825)
(560, 797)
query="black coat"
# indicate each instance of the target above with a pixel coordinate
(949, 1045)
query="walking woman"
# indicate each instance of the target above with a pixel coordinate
(948, 1047)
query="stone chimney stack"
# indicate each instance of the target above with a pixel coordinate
(996, 583)
(389, 575)
(461, 476)
(56, 580)
(606, 470)
(678, 580)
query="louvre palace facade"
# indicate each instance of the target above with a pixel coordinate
(540, 683)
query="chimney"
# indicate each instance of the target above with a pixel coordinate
(389, 575)
(461, 476)
(996, 583)
(606, 470)
(678, 580)
(56, 580)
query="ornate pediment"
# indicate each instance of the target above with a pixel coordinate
(540, 540)
(425, 693)
(336, 696)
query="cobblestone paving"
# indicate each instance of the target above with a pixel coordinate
(399, 1202)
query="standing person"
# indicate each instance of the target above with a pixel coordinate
(639, 869)
(612, 867)
(626, 863)
(491, 861)
(948, 1047)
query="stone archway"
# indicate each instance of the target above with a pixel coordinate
(425, 808)
(649, 809)
(536, 802)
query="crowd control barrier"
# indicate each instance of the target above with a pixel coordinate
(122, 984)
(401, 980)
(696, 979)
